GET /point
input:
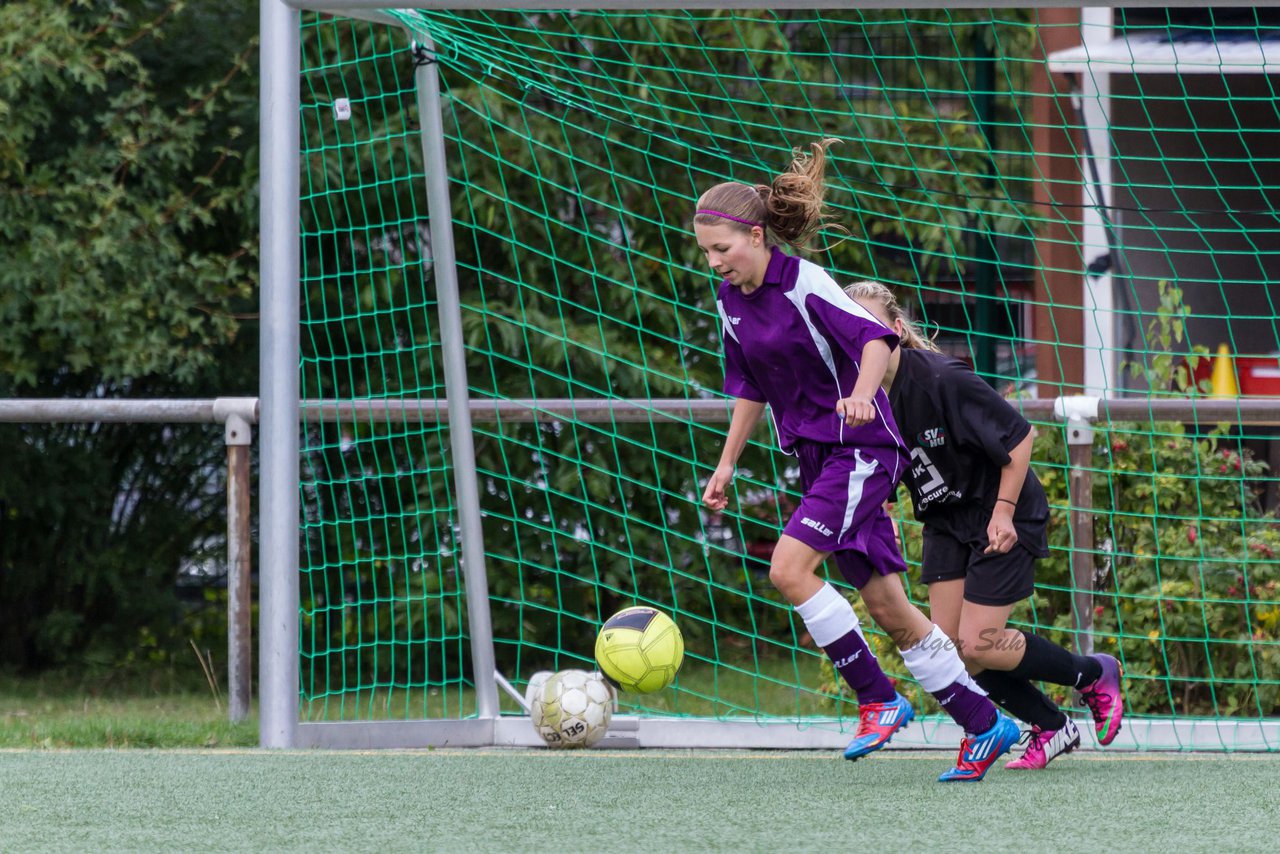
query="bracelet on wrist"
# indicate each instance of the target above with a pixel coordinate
(1008, 501)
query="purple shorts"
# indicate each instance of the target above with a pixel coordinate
(843, 507)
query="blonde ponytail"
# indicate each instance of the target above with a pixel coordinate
(796, 200)
(912, 337)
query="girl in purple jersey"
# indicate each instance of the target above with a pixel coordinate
(985, 518)
(795, 341)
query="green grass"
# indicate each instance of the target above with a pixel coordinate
(221, 799)
(58, 711)
(643, 801)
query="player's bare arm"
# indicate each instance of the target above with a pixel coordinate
(859, 408)
(1001, 534)
(746, 414)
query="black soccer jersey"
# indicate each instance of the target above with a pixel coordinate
(959, 432)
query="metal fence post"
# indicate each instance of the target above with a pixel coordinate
(238, 436)
(1080, 414)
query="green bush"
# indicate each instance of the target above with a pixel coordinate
(1185, 568)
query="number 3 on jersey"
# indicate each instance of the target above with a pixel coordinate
(925, 468)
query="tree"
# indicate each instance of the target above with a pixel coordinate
(127, 211)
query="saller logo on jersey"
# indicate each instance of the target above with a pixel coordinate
(817, 526)
(933, 437)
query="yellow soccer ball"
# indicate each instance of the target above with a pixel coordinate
(639, 650)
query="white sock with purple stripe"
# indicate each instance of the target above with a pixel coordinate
(834, 626)
(936, 665)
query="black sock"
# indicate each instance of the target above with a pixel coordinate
(1043, 661)
(1020, 698)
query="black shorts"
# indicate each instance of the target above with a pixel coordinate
(989, 579)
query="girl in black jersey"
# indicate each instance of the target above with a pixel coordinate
(985, 518)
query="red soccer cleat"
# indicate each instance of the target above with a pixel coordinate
(877, 722)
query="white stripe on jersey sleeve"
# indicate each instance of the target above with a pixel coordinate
(810, 281)
(814, 280)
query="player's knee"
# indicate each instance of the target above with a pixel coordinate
(883, 612)
(976, 650)
(785, 576)
(887, 604)
(971, 657)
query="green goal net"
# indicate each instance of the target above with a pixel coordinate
(1073, 207)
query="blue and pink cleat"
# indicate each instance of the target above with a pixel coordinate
(1105, 699)
(877, 722)
(978, 753)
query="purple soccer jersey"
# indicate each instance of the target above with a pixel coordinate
(795, 342)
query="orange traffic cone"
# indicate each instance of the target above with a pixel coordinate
(1222, 382)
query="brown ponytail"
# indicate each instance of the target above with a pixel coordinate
(791, 209)
(795, 201)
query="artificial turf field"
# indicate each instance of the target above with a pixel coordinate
(533, 801)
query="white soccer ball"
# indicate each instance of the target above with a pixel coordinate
(572, 708)
(536, 681)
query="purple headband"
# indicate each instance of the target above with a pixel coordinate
(726, 216)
